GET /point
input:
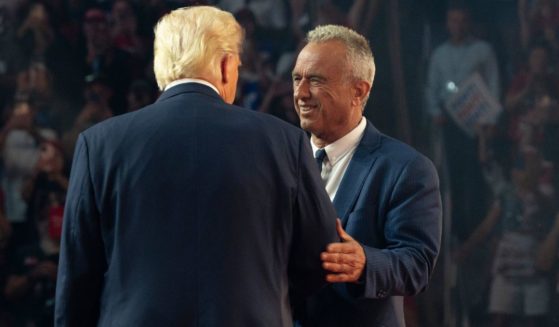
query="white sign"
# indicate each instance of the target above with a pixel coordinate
(473, 105)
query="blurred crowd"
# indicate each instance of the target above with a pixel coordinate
(68, 64)
(502, 177)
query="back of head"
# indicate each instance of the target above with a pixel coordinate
(359, 53)
(189, 43)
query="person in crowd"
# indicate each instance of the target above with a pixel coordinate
(31, 280)
(40, 41)
(20, 139)
(125, 31)
(45, 191)
(539, 21)
(451, 64)
(35, 81)
(192, 211)
(531, 98)
(386, 194)
(521, 214)
(103, 58)
(96, 108)
(36, 34)
(30, 284)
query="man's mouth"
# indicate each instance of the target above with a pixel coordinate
(306, 108)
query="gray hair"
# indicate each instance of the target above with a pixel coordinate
(359, 53)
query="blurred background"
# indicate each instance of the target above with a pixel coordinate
(471, 84)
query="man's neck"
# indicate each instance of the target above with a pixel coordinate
(460, 40)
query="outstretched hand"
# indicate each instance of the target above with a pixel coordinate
(344, 261)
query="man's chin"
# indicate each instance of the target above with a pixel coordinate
(308, 125)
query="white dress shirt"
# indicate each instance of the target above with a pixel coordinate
(191, 80)
(338, 156)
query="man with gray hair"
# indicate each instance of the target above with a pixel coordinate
(191, 211)
(386, 194)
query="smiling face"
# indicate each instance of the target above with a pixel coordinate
(324, 92)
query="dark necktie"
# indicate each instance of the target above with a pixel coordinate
(319, 155)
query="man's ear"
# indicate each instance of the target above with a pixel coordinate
(226, 60)
(360, 91)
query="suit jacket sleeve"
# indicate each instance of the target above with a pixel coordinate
(314, 225)
(412, 230)
(82, 260)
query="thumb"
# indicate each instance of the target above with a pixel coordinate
(341, 232)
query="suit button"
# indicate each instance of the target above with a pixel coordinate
(382, 293)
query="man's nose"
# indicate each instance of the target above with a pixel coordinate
(301, 90)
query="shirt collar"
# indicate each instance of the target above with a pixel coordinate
(191, 80)
(344, 145)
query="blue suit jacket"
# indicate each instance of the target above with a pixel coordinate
(191, 212)
(389, 201)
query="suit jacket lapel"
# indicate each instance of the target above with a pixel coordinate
(354, 177)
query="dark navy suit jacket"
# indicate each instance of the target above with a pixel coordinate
(191, 212)
(389, 201)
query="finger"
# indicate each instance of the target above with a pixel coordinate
(341, 232)
(338, 268)
(349, 247)
(354, 262)
(339, 257)
(341, 278)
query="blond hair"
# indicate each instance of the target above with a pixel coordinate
(358, 51)
(190, 42)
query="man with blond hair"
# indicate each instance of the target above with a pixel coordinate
(386, 194)
(191, 211)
